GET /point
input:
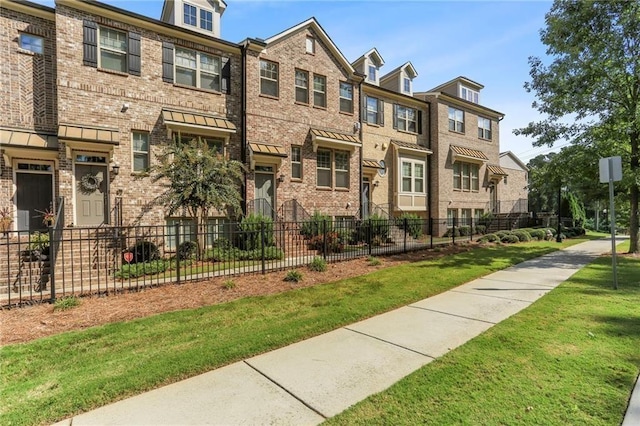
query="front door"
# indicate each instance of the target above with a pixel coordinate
(366, 187)
(33, 196)
(264, 198)
(91, 190)
(493, 193)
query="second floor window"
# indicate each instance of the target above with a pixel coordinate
(374, 113)
(190, 15)
(113, 49)
(406, 119)
(296, 162)
(484, 128)
(465, 177)
(412, 179)
(269, 78)
(302, 86)
(456, 120)
(197, 69)
(206, 20)
(320, 91)
(140, 148)
(346, 97)
(32, 43)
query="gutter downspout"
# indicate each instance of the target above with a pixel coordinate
(429, 172)
(243, 121)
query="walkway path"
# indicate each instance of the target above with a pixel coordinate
(307, 382)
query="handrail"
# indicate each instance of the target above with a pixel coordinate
(293, 211)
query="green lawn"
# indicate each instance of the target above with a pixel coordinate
(570, 359)
(56, 377)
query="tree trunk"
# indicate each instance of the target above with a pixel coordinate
(635, 170)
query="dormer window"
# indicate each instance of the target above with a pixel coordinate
(190, 15)
(372, 74)
(206, 20)
(406, 85)
(469, 94)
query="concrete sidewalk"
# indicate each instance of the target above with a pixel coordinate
(307, 382)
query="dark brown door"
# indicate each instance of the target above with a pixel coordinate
(33, 196)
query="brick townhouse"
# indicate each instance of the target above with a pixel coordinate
(466, 157)
(395, 140)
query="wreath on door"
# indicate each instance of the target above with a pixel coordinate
(90, 182)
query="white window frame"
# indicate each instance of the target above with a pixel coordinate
(346, 97)
(484, 128)
(456, 120)
(412, 177)
(206, 21)
(319, 91)
(269, 74)
(31, 42)
(188, 231)
(370, 111)
(342, 170)
(199, 69)
(334, 169)
(310, 45)
(195, 14)
(465, 217)
(406, 85)
(404, 120)
(213, 142)
(296, 160)
(467, 176)
(469, 94)
(112, 49)
(302, 86)
(452, 214)
(372, 73)
(324, 168)
(137, 153)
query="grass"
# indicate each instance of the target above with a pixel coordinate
(570, 358)
(56, 377)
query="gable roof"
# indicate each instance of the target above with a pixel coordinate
(406, 66)
(371, 53)
(313, 24)
(459, 79)
(515, 159)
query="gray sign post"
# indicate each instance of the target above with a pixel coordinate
(611, 171)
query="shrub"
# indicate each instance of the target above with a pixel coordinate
(318, 264)
(522, 235)
(293, 276)
(144, 251)
(65, 303)
(410, 223)
(187, 250)
(464, 231)
(480, 229)
(316, 225)
(39, 241)
(452, 232)
(538, 234)
(228, 284)
(374, 261)
(331, 241)
(488, 238)
(135, 270)
(510, 239)
(502, 234)
(251, 232)
(373, 230)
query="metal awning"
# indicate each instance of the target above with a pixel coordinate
(468, 154)
(266, 153)
(415, 148)
(496, 171)
(373, 164)
(89, 134)
(198, 123)
(18, 137)
(333, 140)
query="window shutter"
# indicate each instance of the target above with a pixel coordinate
(90, 44)
(134, 54)
(363, 117)
(167, 62)
(381, 112)
(395, 116)
(419, 122)
(226, 76)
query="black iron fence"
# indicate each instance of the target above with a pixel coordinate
(110, 259)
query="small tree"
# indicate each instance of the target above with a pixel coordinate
(198, 180)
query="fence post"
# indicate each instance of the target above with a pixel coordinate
(471, 229)
(431, 232)
(177, 229)
(52, 263)
(369, 232)
(262, 245)
(453, 230)
(406, 228)
(324, 239)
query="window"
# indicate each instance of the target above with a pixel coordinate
(465, 217)
(465, 177)
(346, 97)
(477, 214)
(469, 95)
(302, 86)
(452, 215)
(140, 148)
(310, 45)
(324, 167)
(296, 162)
(456, 120)
(372, 75)
(484, 128)
(332, 164)
(190, 15)
(214, 228)
(206, 20)
(319, 91)
(406, 85)
(113, 49)
(374, 113)
(504, 180)
(197, 69)
(269, 78)
(406, 119)
(215, 144)
(412, 179)
(31, 43)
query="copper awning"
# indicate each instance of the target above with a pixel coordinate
(496, 171)
(407, 146)
(267, 149)
(18, 137)
(333, 139)
(196, 122)
(371, 164)
(89, 134)
(468, 154)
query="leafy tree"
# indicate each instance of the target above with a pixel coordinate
(198, 180)
(590, 93)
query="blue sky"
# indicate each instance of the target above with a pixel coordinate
(487, 41)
